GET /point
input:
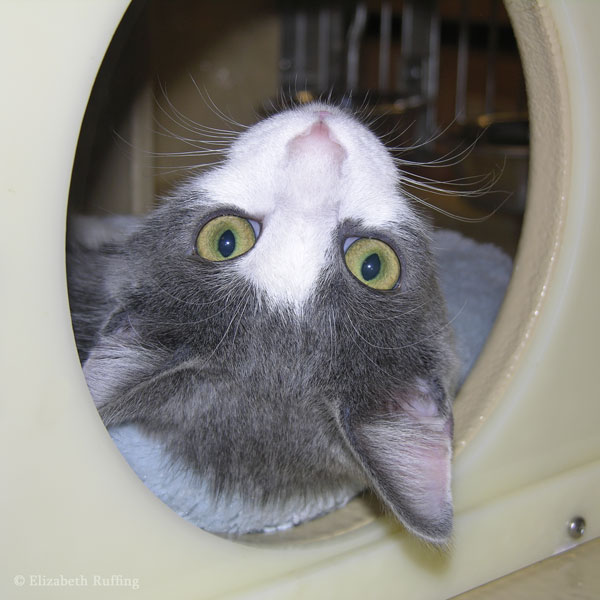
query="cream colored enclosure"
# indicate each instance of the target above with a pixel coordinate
(76, 522)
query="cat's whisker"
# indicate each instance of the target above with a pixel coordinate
(360, 348)
(454, 216)
(132, 327)
(485, 179)
(450, 159)
(202, 139)
(432, 335)
(393, 313)
(188, 302)
(240, 318)
(394, 134)
(366, 109)
(180, 121)
(214, 108)
(194, 126)
(330, 95)
(239, 310)
(452, 189)
(168, 170)
(206, 136)
(427, 141)
(375, 116)
(184, 154)
(458, 312)
(208, 139)
(362, 338)
(332, 343)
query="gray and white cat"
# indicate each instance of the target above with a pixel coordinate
(276, 326)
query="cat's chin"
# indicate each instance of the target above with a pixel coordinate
(232, 515)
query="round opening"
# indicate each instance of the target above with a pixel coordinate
(440, 82)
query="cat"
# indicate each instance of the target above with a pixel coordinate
(277, 326)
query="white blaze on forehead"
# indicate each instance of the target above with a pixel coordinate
(301, 173)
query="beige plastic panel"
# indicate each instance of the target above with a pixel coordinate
(572, 575)
(73, 514)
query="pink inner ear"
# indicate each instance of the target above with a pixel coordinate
(415, 456)
(433, 457)
(419, 403)
(406, 448)
(421, 408)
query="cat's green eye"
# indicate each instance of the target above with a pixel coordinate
(226, 237)
(372, 262)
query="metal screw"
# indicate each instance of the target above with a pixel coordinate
(576, 527)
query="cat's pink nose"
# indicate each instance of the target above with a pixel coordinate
(318, 140)
(318, 130)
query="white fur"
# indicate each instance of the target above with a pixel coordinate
(300, 186)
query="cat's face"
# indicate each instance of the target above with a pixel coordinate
(302, 174)
(278, 323)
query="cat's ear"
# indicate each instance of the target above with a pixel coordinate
(405, 446)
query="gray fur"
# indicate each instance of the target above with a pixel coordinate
(261, 403)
